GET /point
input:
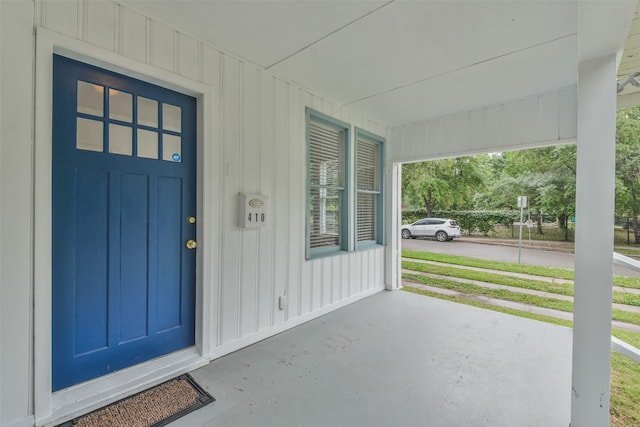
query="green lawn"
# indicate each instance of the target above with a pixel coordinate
(481, 276)
(468, 300)
(517, 282)
(559, 273)
(506, 295)
(551, 233)
(625, 391)
(502, 294)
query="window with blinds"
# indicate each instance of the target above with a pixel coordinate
(368, 187)
(327, 187)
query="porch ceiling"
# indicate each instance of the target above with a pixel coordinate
(630, 64)
(395, 61)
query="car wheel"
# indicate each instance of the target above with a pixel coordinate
(441, 236)
(406, 234)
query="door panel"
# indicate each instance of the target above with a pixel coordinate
(134, 196)
(90, 209)
(124, 168)
(169, 247)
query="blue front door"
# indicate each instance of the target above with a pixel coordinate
(124, 179)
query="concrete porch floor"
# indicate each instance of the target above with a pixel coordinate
(395, 359)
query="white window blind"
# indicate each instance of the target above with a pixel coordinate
(326, 178)
(368, 188)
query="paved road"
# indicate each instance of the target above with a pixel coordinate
(503, 253)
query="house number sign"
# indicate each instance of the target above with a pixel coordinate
(253, 210)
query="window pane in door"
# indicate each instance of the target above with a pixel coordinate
(120, 139)
(171, 118)
(120, 106)
(90, 99)
(147, 144)
(89, 135)
(147, 112)
(171, 148)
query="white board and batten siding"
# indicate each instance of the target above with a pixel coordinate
(16, 179)
(544, 119)
(255, 144)
(260, 134)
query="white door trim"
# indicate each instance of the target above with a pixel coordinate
(51, 407)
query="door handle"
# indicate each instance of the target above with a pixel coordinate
(191, 244)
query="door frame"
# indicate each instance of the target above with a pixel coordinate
(51, 407)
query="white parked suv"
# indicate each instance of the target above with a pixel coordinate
(440, 228)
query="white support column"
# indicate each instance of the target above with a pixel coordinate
(393, 253)
(595, 193)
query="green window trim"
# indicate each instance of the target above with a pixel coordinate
(369, 185)
(327, 207)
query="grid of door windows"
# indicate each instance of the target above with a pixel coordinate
(135, 126)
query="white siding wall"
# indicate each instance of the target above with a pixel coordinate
(258, 124)
(16, 183)
(544, 119)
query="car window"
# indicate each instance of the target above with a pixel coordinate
(421, 222)
(438, 222)
(453, 223)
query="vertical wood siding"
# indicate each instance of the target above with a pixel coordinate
(16, 182)
(539, 120)
(259, 130)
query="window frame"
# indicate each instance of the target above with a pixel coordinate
(379, 195)
(344, 232)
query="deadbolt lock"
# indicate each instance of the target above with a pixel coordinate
(191, 220)
(191, 244)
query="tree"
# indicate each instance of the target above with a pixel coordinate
(545, 175)
(628, 165)
(550, 174)
(443, 184)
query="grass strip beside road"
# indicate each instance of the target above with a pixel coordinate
(535, 270)
(502, 294)
(498, 279)
(516, 282)
(628, 337)
(626, 250)
(463, 299)
(625, 316)
(626, 282)
(560, 273)
(506, 295)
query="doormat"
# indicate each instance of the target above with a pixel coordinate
(153, 407)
